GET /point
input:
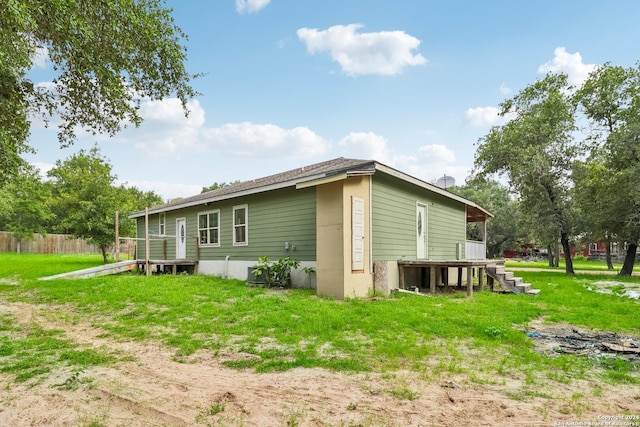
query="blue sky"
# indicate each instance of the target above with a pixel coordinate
(412, 84)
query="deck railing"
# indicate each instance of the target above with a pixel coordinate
(475, 250)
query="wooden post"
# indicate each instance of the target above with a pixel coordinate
(117, 238)
(469, 281)
(484, 240)
(146, 242)
(401, 276)
(432, 280)
(481, 278)
(459, 277)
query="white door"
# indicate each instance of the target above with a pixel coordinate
(421, 231)
(181, 238)
(357, 234)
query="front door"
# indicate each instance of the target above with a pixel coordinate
(421, 231)
(181, 238)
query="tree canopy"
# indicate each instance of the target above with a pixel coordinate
(610, 100)
(573, 182)
(24, 209)
(503, 230)
(535, 150)
(85, 199)
(107, 56)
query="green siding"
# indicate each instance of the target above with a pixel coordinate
(275, 217)
(393, 221)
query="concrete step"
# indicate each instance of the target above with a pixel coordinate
(515, 281)
(510, 281)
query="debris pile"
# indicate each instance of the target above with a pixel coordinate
(574, 341)
(622, 289)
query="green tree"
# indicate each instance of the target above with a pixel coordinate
(592, 195)
(623, 152)
(108, 56)
(503, 231)
(217, 185)
(85, 199)
(131, 200)
(535, 150)
(610, 99)
(24, 209)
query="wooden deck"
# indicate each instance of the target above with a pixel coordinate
(163, 265)
(438, 272)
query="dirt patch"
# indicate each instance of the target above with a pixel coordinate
(153, 389)
(552, 340)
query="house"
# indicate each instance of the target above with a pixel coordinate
(351, 220)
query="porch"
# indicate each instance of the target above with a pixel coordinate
(427, 274)
(167, 266)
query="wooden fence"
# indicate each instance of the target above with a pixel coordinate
(52, 244)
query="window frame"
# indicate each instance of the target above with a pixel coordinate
(162, 223)
(245, 225)
(209, 228)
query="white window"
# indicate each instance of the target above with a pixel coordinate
(161, 225)
(209, 228)
(240, 224)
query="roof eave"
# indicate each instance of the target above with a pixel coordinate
(413, 180)
(270, 187)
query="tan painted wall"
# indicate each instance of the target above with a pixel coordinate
(329, 241)
(333, 220)
(357, 284)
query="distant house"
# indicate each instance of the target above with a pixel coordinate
(352, 220)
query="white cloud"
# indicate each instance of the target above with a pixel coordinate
(265, 140)
(40, 57)
(166, 190)
(570, 64)
(384, 52)
(167, 132)
(165, 129)
(504, 90)
(250, 6)
(365, 145)
(43, 168)
(482, 116)
(170, 112)
(437, 152)
(430, 162)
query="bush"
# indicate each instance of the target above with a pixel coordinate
(275, 273)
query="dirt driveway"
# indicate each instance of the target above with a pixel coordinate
(153, 389)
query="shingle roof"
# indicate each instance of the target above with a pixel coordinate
(301, 175)
(293, 176)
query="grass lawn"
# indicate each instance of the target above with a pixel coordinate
(578, 265)
(481, 337)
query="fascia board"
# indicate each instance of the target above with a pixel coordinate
(427, 186)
